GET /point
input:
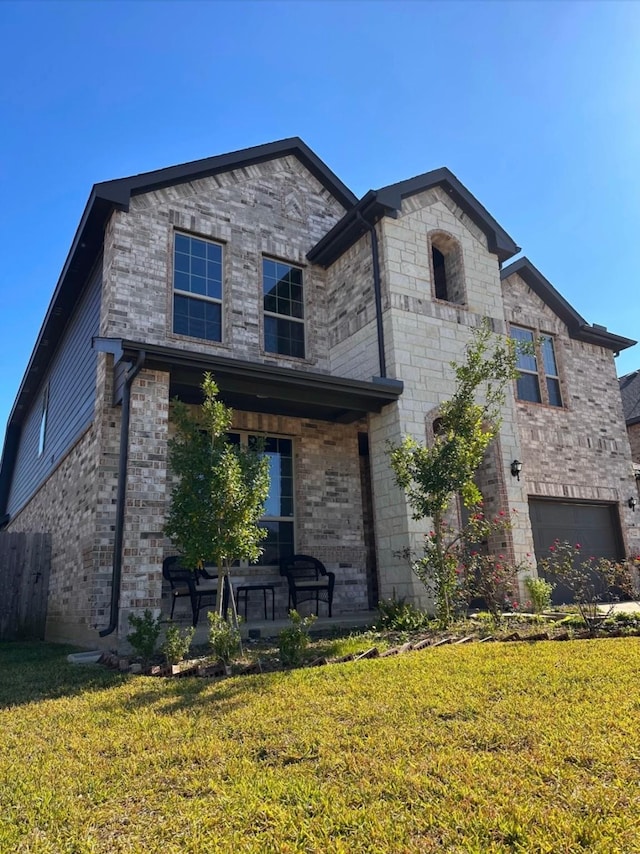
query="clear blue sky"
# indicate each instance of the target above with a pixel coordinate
(534, 106)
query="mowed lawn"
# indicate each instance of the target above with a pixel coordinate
(482, 748)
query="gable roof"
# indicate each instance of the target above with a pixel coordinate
(576, 324)
(387, 201)
(108, 196)
(630, 391)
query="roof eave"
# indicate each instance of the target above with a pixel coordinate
(387, 201)
(577, 326)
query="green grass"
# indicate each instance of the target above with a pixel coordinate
(480, 748)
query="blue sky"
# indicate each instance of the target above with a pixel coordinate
(534, 106)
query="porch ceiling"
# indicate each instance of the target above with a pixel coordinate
(256, 387)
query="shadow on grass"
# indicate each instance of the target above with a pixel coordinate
(33, 670)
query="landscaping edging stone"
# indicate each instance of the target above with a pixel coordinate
(198, 668)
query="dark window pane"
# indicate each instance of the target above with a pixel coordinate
(198, 267)
(198, 285)
(181, 281)
(197, 275)
(182, 263)
(278, 543)
(214, 252)
(198, 248)
(553, 390)
(214, 289)
(526, 361)
(182, 243)
(197, 318)
(270, 303)
(528, 388)
(548, 357)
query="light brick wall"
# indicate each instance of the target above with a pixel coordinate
(143, 546)
(328, 507)
(64, 506)
(634, 440)
(580, 451)
(276, 209)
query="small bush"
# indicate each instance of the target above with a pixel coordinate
(539, 592)
(223, 637)
(294, 640)
(401, 616)
(144, 636)
(177, 643)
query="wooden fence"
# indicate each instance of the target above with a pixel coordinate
(25, 561)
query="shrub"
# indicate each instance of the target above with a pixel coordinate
(591, 581)
(144, 636)
(400, 615)
(490, 578)
(223, 637)
(177, 643)
(540, 592)
(294, 640)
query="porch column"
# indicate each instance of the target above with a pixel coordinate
(141, 582)
(394, 527)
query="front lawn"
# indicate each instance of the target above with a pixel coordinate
(479, 748)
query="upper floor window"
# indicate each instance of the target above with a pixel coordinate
(446, 263)
(283, 308)
(539, 381)
(197, 288)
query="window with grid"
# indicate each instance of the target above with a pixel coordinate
(197, 288)
(278, 519)
(283, 309)
(538, 380)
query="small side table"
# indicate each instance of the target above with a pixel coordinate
(242, 592)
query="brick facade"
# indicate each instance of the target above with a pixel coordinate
(343, 499)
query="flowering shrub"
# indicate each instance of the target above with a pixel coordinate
(592, 580)
(454, 575)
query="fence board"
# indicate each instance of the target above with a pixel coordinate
(25, 561)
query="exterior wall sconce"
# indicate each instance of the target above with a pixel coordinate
(632, 503)
(516, 468)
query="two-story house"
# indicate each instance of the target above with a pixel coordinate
(329, 323)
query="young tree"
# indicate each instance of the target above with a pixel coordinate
(220, 491)
(431, 476)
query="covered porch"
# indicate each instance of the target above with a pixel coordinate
(316, 432)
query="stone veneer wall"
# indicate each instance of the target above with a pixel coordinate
(580, 451)
(424, 335)
(328, 508)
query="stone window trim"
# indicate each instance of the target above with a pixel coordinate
(44, 417)
(544, 366)
(285, 317)
(446, 267)
(187, 294)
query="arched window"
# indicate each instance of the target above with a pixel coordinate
(446, 265)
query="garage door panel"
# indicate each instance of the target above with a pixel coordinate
(595, 526)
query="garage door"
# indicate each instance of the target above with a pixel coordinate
(595, 526)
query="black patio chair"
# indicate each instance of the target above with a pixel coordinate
(187, 582)
(308, 579)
